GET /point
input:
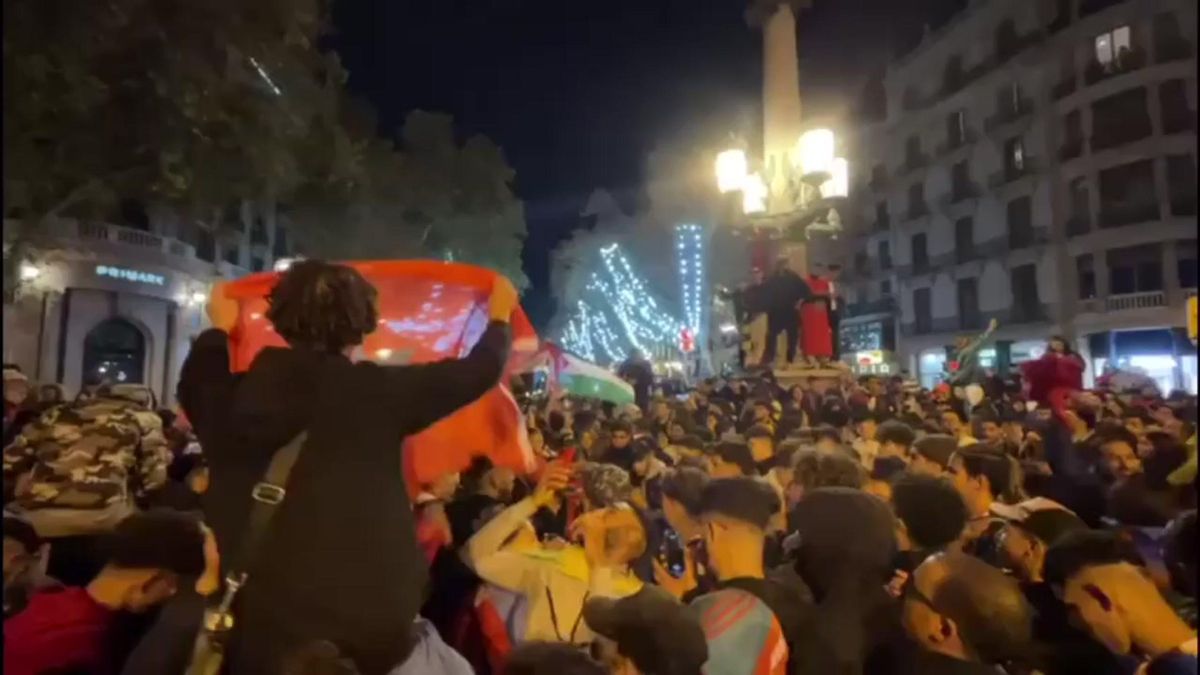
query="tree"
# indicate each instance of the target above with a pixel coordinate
(425, 196)
(188, 105)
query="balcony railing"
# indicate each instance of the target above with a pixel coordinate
(1125, 62)
(916, 210)
(1119, 133)
(124, 236)
(1011, 174)
(951, 144)
(1176, 49)
(1077, 226)
(1063, 89)
(1022, 108)
(880, 306)
(915, 161)
(1070, 149)
(1145, 300)
(1120, 215)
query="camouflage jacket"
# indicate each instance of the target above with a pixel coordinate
(91, 455)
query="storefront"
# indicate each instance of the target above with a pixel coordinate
(111, 307)
(1166, 355)
(868, 347)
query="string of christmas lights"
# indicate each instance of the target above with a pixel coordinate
(689, 247)
(621, 293)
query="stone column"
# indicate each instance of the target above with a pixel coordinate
(781, 114)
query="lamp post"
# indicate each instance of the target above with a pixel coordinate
(791, 192)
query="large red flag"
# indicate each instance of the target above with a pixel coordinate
(428, 311)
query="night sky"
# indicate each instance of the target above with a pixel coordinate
(576, 92)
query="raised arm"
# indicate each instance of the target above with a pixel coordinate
(429, 392)
(976, 344)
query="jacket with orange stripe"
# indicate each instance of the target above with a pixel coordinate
(788, 599)
(743, 635)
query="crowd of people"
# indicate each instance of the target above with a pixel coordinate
(832, 526)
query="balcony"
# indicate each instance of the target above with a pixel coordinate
(1144, 300)
(1070, 149)
(1063, 89)
(878, 182)
(868, 307)
(1183, 203)
(1003, 118)
(1077, 226)
(1178, 121)
(916, 210)
(1126, 62)
(1122, 214)
(1115, 134)
(1011, 174)
(914, 162)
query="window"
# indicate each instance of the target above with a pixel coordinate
(233, 254)
(1085, 275)
(1112, 45)
(257, 264)
(1008, 101)
(1079, 220)
(1006, 40)
(956, 129)
(1120, 118)
(920, 252)
(916, 200)
(922, 311)
(133, 214)
(878, 176)
(952, 77)
(281, 242)
(1177, 116)
(1136, 269)
(885, 255)
(964, 239)
(1014, 157)
(968, 303)
(1181, 184)
(912, 152)
(1169, 43)
(1020, 223)
(206, 245)
(882, 219)
(258, 231)
(1072, 135)
(885, 289)
(1127, 194)
(960, 181)
(114, 350)
(1026, 305)
(1186, 267)
(861, 262)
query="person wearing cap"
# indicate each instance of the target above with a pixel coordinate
(931, 454)
(647, 633)
(555, 579)
(1031, 528)
(783, 291)
(79, 469)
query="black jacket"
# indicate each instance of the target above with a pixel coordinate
(341, 561)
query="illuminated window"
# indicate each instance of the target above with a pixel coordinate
(1112, 45)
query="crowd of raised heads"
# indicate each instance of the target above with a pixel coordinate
(835, 526)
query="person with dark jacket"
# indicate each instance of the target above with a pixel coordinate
(638, 372)
(340, 562)
(782, 292)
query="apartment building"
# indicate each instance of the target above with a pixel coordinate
(1033, 162)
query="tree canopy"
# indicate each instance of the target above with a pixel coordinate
(195, 106)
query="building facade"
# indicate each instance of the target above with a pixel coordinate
(1044, 177)
(124, 302)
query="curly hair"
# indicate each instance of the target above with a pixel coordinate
(814, 469)
(321, 306)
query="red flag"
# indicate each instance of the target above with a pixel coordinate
(428, 311)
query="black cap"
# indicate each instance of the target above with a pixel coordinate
(652, 629)
(1050, 525)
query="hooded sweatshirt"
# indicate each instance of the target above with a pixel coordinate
(554, 583)
(340, 561)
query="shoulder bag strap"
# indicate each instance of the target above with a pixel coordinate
(267, 495)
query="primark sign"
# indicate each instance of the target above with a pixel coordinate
(125, 274)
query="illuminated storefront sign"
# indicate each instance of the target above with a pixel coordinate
(869, 358)
(130, 275)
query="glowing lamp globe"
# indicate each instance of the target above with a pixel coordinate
(816, 151)
(754, 194)
(838, 184)
(731, 170)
